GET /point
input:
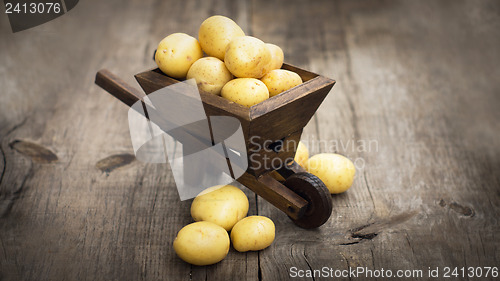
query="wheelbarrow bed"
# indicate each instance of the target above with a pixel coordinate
(277, 120)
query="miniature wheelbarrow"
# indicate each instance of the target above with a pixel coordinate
(271, 129)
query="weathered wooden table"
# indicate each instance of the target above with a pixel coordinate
(416, 106)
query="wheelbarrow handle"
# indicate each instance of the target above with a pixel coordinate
(118, 88)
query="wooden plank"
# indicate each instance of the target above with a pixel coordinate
(76, 220)
(70, 220)
(419, 78)
(404, 91)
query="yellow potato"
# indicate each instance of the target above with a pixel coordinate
(277, 56)
(210, 74)
(215, 33)
(222, 205)
(336, 171)
(302, 154)
(176, 53)
(280, 80)
(253, 233)
(247, 57)
(245, 91)
(202, 243)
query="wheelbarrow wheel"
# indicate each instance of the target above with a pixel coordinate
(311, 188)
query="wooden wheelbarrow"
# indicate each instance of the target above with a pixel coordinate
(272, 130)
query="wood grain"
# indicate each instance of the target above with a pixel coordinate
(418, 78)
(398, 86)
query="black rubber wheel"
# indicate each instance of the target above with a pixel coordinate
(311, 188)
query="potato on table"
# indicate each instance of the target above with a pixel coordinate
(247, 57)
(202, 243)
(215, 33)
(176, 53)
(253, 233)
(280, 80)
(334, 170)
(222, 205)
(245, 91)
(210, 74)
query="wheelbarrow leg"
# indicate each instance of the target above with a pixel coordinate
(275, 193)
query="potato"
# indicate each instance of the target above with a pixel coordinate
(280, 80)
(202, 243)
(277, 56)
(222, 205)
(215, 33)
(210, 74)
(336, 171)
(247, 57)
(245, 91)
(302, 154)
(253, 233)
(176, 53)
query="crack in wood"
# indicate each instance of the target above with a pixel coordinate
(307, 262)
(409, 243)
(4, 168)
(373, 259)
(259, 272)
(348, 264)
(371, 230)
(110, 163)
(36, 152)
(6, 204)
(359, 228)
(355, 233)
(2, 151)
(368, 236)
(350, 243)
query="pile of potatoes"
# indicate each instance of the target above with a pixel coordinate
(217, 210)
(240, 68)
